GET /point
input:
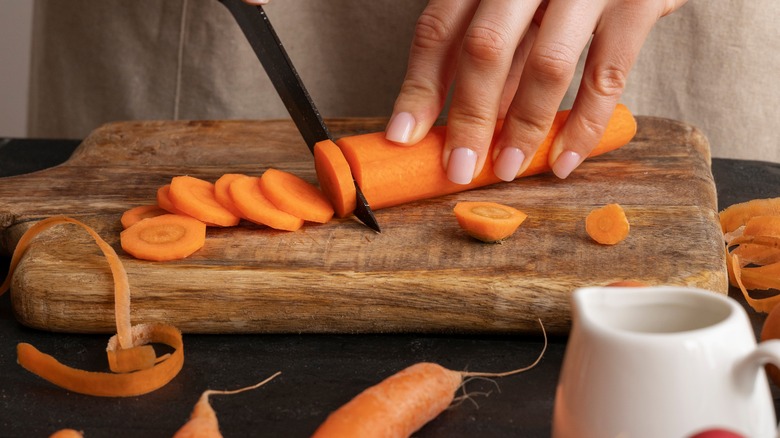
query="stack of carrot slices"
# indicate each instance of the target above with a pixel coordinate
(751, 231)
(175, 227)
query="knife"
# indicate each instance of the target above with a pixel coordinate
(257, 28)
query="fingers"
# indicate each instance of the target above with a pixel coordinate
(547, 73)
(432, 60)
(489, 47)
(615, 46)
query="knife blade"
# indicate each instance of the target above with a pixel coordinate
(257, 28)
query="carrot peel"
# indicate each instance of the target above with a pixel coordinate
(140, 373)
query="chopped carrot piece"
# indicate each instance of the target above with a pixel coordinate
(402, 403)
(390, 175)
(128, 336)
(203, 420)
(335, 177)
(136, 214)
(196, 198)
(164, 200)
(67, 433)
(291, 193)
(488, 221)
(249, 199)
(162, 238)
(607, 225)
(222, 192)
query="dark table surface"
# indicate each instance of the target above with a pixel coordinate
(319, 372)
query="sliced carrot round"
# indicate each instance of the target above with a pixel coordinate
(335, 177)
(162, 238)
(222, 192)
(296, 196)
(488, 221)
(164, 200)
(135, 214)
(249, 199)
(607, 225)
(196, 198)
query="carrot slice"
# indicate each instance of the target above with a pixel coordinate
(162, 238)
(607, 225)
(164, 200)
(136, 214)
(402, 403)
(67, 433)
(203, 420)
(128, 336)
(196, 198)
(335, 177)
(488, 221)
(222, 192)
(249, 199)
(291, 193)
(391, 175)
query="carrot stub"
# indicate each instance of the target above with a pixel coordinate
(136, 214)
(196, 198)
(255, 207)
(203, 421)
(390, 175)
(149, 375)
(294, 195)
(402, 403)
(488, 221)
(334, 177)
(607, 225)
(163, 238)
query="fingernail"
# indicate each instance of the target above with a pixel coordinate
(567, 161)
(400, 128)
(460, 168)
(508, 163)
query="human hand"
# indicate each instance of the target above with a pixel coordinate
(515, 60)
(257, 2)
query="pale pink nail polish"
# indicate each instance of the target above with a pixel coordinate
(400, 128)
(567, 161)
(508, 163)
(461, 166)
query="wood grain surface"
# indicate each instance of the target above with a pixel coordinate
(421, 274)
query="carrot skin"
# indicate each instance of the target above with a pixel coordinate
(390, 175)
(396, 407)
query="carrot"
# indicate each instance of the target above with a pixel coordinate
(148, 376)
(222, 192)
(67, 433)
(391, 175)
(292, 194)
(489, 222)
(203, 420)
(402, 403)
(249, 199)
(164, 200)
(334, 177)
(752, 244)
(607, 225)
(135, 214)
(163, 238)
(196, 198)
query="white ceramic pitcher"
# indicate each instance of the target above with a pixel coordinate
(662, 362)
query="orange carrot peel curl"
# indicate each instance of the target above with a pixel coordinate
(404, 402)
(751, 231)
(391, 175)
(135, 367)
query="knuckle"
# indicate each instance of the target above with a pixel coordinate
(589, 126)
(431, 30)
(486, 43)
(608, 80)
(530, 128)
(471, 117)
(424, 89)
(553, 63)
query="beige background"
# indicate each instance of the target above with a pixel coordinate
(713, 63)
(15, 33)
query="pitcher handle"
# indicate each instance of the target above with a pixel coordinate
(747, 369)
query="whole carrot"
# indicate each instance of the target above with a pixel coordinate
(402, 403)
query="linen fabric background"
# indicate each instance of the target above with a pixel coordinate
(713, 64)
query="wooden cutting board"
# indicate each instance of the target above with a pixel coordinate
(421, 274)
